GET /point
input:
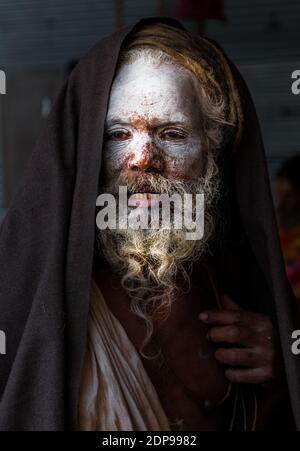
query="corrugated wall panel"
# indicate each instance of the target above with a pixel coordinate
(261, 36)
(46, 34)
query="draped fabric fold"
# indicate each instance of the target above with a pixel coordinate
(116, 393)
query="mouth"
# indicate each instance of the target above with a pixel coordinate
(143, 200)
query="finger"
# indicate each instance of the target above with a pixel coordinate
(232, 334)
(220, 317)
(256, 321)
(229, 304)
(249, 376)
(239, 357)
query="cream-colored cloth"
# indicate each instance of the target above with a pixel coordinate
(116, 393)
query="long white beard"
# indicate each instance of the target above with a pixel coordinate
(155, 265)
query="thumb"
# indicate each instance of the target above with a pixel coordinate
(228, 303)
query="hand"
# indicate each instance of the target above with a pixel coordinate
(254, 357)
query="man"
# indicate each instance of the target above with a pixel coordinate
(287, 197)
(162, 334)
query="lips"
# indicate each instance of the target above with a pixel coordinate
(143, 200)
(144, 189)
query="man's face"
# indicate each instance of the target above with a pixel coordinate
(153, 145)
(287, 201)
(152, 123)
(286, 195)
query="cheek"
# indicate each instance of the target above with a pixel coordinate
(113, 159)
(185, 164)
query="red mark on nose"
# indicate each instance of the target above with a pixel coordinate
(147, 159)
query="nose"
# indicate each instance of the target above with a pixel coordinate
(145, 157)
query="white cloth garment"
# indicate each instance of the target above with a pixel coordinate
(116, 393)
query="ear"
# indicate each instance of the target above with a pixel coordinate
(228, 303)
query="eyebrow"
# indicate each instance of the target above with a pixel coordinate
(118, 121)
(115, 120)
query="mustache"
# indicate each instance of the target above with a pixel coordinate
(154, 184)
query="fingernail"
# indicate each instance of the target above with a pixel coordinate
(203, 316)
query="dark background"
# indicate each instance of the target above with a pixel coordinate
(39, 39)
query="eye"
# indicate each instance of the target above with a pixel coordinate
(172, 135)
(118, 135)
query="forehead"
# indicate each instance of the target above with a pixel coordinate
(151, 89)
